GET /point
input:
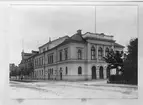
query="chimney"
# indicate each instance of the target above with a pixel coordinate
(50, 39)
(79, 32)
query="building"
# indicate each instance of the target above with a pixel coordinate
(27, 63)
(79, 57)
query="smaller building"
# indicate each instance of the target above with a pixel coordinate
(26, 65)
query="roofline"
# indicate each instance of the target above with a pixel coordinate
(118, 45)
(53, 40)
(101, 39)
(98, 34)
(59, 46)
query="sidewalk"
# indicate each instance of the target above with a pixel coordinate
(112, 85)
(82, 83)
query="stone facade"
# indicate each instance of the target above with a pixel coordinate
(79, 57)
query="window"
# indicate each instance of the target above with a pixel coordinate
(35, 62)
(43, 49)
(50, 59)
(42, 72)
(52, 71)
(100, 53)
(79, 70)
(92, 52)
(60, 55)
(79, 54)
(66, 70)
(106, 51)
(66, 54)
(42, 61)
(49, 71)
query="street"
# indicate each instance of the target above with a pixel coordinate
(68, 90)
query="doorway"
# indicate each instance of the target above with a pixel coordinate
(93, 72)
(101, 72)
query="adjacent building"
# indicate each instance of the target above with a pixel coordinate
(27, 62)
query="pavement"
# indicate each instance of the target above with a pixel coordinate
(63, 89)
(85, 83)
(41, 92)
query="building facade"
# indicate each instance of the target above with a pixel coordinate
(27, 63)
(79, 57)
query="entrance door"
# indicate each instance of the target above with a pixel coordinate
(93, 72)
(108, 72)
(101, 72)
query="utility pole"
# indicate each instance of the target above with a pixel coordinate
(95, 19)
(44, 64)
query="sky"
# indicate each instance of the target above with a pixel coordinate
(31, 26)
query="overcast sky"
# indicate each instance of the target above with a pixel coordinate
(35, 24)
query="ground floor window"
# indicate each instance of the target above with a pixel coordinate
(79, 70)
(66, 70)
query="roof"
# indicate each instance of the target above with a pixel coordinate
(53, 41)
(76, 38)
(118, 45)
(98, 34)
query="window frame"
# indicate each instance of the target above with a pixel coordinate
(60, 55)
(100, 53)
(66, 53)
(79, 70)
(106, 52)
(93, 53)
(79, 54)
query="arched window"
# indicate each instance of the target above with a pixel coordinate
(79, 54)
(92, 52)
(79, 70)
(101, 72)
(66, 70)
(106, 51)
(100, 53)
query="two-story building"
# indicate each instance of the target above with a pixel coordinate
(79, 57)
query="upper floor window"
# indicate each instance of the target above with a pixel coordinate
(106, 51)
(66, 54)
(100, 53)
(92, 52)
(79, 54)
(79, 70)
(50, 59)
(42, 60)
(35, 62)
(60, 55)
(43, 49)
